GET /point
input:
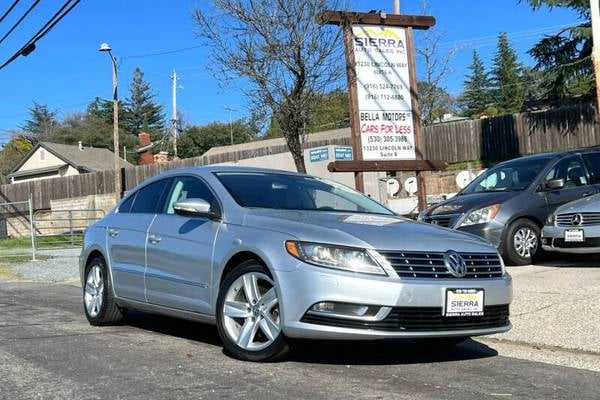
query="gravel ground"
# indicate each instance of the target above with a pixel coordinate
(60, 266)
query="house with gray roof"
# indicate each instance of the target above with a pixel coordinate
(52, 160)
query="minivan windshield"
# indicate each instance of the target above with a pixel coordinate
(295, 192)
(508, 177)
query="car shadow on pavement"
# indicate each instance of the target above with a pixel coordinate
(387, 352)
(384, 352)
(568, 260)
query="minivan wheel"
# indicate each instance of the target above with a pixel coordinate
(98, 299)
(522, 242)
(248, 315)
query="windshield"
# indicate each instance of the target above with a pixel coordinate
(508, 177)
(295, 192)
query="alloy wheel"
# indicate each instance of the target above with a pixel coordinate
(525, 242)
(94, 290)
(251, 312)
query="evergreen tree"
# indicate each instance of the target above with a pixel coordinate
(141, 112)
(506, 77)
(476, 95)
(41, 122)
(565, 57)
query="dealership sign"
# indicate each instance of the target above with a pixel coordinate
(383, 93)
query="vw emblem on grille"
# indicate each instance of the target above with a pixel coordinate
(576, 219)
(455, 264)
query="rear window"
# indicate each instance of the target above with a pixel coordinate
(593, 163)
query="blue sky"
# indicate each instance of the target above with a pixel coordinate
(66, 71)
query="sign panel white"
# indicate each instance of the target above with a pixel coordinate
(383, 88)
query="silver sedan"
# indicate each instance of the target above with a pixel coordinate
(269, 256)
(574, 227)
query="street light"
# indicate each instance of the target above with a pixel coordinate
(104, 47)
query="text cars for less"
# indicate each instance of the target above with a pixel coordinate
(270, 256)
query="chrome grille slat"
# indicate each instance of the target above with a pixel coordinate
(431, 265)
(588, 219)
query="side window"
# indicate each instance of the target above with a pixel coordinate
(572, 170)
(125, 206)
(148, 199)
(188, 187)
(593, 163)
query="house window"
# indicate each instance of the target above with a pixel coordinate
(42, 155)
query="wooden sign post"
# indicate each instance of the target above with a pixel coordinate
(384, 113)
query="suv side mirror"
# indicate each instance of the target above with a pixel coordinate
(195, 208)
(555, 184)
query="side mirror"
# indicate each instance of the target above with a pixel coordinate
(195, 208)
(555, 184)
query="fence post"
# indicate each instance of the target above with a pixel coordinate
(32, 227)
(71, 226)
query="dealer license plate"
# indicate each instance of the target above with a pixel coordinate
(574, 235)
(464, 302)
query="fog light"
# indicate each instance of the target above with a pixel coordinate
(348, 310)
(544, 240)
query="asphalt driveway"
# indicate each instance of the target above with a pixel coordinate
(47, 350)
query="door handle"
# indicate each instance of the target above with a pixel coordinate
(112, 232)
(154, 239)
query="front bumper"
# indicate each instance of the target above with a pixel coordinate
(307, 285)
(553, 239)
(491, 231)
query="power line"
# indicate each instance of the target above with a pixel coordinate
(9, 10)
(30, 45)
(16, 24)
(162, 53)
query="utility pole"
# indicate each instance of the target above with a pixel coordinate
(397, 7)
(595, 11)
(230, 121)
(174, 120)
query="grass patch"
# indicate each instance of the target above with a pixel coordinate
(42, 242)
(9, 262)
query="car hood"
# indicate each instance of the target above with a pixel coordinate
(462, 203)
(380, 232)
(586, 204)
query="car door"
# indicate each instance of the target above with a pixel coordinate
(592, 161)
(179, 251)
(577, 182)
(126, 240)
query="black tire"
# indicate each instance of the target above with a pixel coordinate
(509, 252)
(276, 351)
(110, 313)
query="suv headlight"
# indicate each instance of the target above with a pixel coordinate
(481, 216)
(550, 219)
(336, 257)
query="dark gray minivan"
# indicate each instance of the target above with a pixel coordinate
(509, 203)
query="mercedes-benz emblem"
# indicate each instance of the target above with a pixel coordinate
(435, 222)
(455, 264)
(576, 219)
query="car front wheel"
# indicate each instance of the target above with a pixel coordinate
(98, 300)
(522, 242)
(248, 315)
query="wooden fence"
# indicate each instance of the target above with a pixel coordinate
(509, 136)
(492, 139)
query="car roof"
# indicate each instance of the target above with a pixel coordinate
(554, 154)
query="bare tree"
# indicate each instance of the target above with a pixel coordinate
(436, 61)
(285, 55)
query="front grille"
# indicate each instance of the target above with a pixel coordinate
(589, 242)
(587, 219)
(420, 319)
(431, 265)
(442, 220)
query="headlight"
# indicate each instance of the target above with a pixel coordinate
(337, 257)
(550, 219)
(421, 216)
(481, 216)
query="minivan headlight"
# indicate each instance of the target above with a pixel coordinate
(550, 220)
(337, 257)
(481, 216)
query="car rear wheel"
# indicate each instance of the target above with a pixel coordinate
(522, 242)
(248, 315)
(98, 299)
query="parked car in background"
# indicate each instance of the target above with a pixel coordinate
(509, 203)
(270, 255)
(574, 227)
